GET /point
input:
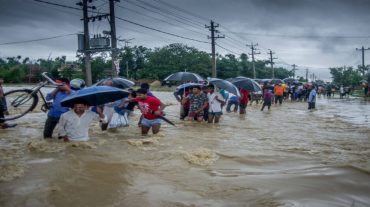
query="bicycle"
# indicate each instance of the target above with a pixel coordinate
(19, 102)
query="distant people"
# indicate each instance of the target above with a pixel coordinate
(74, 124)
(215, 102)
(3, 108)
(279, 93)
(56, 110)
(312, 98)
(233, 101)
(341, 92)
(151, 109)
(198, 102)
(267, 99)
(244, 99)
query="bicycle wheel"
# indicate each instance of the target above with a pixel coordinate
(19, 102)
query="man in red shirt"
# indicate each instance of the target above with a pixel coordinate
(150, 107)
(244, 98)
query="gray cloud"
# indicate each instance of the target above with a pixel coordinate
(308, 19)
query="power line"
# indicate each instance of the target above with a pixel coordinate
(228, 50)
(36, 40)
(60, 5)
(157, 30)
(152, 17)
(161, 13)
(172, 14)
(304, 36)
(182, 10)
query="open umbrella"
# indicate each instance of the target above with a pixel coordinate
(224, 84)
(184, 76)
(95, 95)
(290, 80)
(276, 81)
(181, 88)
(246, 83)
(118, 82)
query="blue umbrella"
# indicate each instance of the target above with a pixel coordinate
(95, 95)
(224, 84)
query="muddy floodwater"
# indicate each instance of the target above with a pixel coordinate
(284, 157)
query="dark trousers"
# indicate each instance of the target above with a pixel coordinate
(185, 114)
(311, 105)
(2, 109)
(266, 103)
(50, 124)
(279, 98)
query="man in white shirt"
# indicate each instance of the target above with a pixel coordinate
(74, 124)
(215, 101)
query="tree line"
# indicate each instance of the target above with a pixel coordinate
(150, 64)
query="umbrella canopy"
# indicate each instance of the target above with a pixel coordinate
(118, 82)
(290, 80)
(276, 81)
(246, 83)
(181, 88)
(224, 84)
(184, 76)
(95, 95)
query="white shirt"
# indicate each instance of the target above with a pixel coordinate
(77, 127)
(214, 104)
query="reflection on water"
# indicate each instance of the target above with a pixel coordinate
(284, 157)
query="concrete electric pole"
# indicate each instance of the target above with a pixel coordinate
(86, 44)
(363, 59)
(272, 63)
(213, 38)
(253, 49)
(112, 22)
(294, 69)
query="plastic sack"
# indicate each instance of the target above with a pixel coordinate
(118, 120)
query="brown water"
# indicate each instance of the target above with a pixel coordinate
(285, 157)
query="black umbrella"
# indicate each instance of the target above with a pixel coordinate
(95, 95)
(118, 82)
(276, 81)
(290, 80)
(180, 89)
(246, 83)
(224, 84)
(184, 76)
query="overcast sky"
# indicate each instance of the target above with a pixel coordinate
(312, 34)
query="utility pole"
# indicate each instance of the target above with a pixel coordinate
(213, 38)
(253, 49)
(86, 44)
(363, 59)
(307, 74)
(294, 69)
(127, 70)
(112, 22)
(272, 63)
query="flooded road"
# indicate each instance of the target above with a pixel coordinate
(284, 157)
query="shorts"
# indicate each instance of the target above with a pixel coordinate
(195, 115)
(217, 114)
(150, 122)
